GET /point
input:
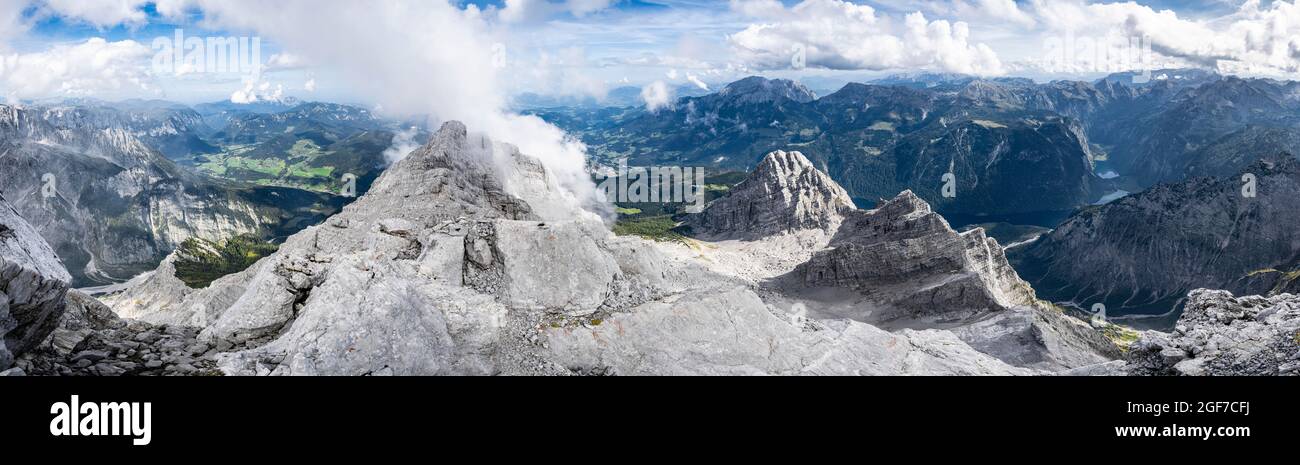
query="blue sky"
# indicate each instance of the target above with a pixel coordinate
(584, 48)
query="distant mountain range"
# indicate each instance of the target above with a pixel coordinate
(1014, 147)
(1141, 255)
(106, 184)
(625, 96)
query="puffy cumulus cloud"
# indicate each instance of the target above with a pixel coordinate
(1255, 39)
(519, 11)
(837, 34)
(657, 96)
(994, 10)
(260, 91)
(93, 67)
(99, 12)
(284, 62)
(415, 57)
(173, 8)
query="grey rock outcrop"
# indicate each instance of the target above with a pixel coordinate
(785, 193)
(908, 256)
(33, 283)
(732, 332)
(912, 270)
(440, 270)
(1222, 335)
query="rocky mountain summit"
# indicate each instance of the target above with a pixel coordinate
(909, 252)
(756, 89)
(1222, 335)
(440, 269)
(785, 193)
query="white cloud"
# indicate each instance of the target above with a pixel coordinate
(310, 86)
(520, 11)
(758, 8)
(415, 57)
(582, 8)
(100, 12)
(836, 34)
(403, 144)
(92, 67)
(564, 73)
(262, 91)
(1255, 39)
(656, 95)
(697, 82)
(994, 11)
(284, 62)
(173, 8)
(11, 23)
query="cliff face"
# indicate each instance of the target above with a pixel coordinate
(1144, 253)
(112, 207)
(999, 165)
(908, 252)
(32, 286)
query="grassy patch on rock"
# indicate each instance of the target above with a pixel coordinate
(659, 228)
(1122, 336)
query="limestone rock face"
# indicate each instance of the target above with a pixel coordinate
(733, 332)
(1222, 335)
(150, 293)
(909, 267)
(785, 193)
(89, 180)
(555, 266)
(413, 278)
(906, 254)
(33, 283)
(441, 270)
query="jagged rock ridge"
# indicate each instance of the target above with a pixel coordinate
(903, 245)
(437, 270)
(911, 269)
